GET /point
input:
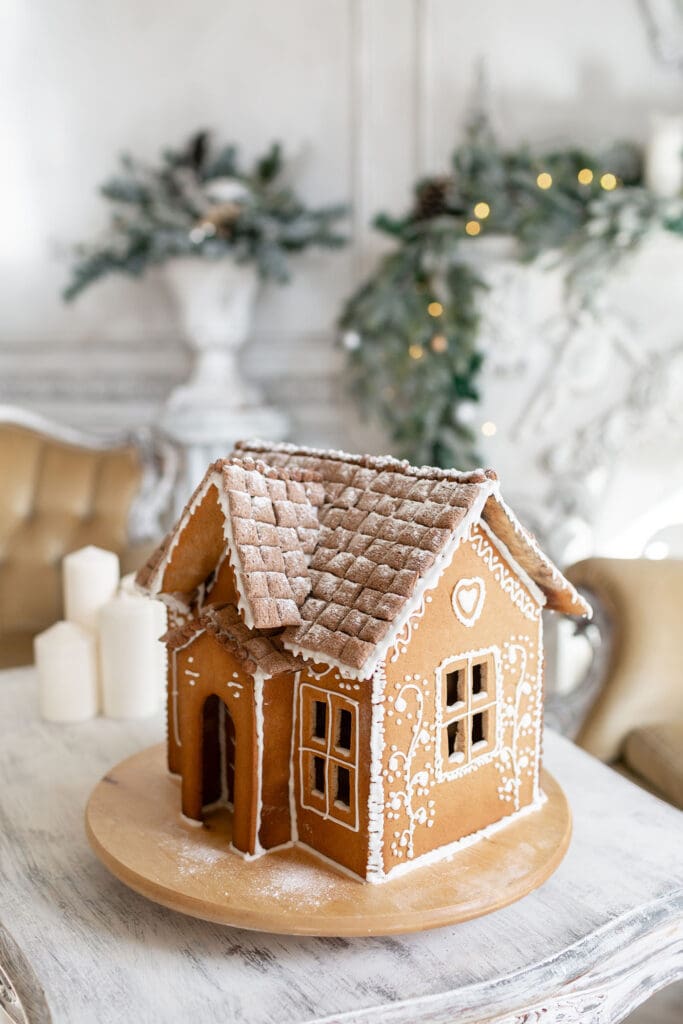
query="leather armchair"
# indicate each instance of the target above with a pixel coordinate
(60, 491)
(631, 703)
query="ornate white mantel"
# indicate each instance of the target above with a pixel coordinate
(588, 409)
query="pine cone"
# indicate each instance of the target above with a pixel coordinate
(431, 198)
(221, 216)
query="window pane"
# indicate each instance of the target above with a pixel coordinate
(478, 730)
(478, 677)
(454, 692)
(319, 775)
(344, 732)
(343, 794)
(320, 719)
(454, 733)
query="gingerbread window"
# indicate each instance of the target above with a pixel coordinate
(328, 750)
(467, 712)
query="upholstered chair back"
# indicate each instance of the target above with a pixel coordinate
(57, 494)
(642, 680)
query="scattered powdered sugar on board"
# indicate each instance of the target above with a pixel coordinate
(305, 883)
(192, 855)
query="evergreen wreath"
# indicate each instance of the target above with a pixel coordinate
(411, 330)
(201, 203)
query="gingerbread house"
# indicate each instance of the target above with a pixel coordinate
(355, 655)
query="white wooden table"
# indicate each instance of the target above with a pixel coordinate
(599, 937)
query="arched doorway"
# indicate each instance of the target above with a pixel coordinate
(218, 754)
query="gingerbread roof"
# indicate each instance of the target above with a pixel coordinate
(264, 653)
(256, 651)
(386, 531)
(270, 530)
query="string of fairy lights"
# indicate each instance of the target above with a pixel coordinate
(480, 212)
(412, 329)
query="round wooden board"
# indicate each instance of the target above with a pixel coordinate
(134, 826)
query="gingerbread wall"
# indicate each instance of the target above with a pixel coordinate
(262, 727)
(324, 823)
(480, 611)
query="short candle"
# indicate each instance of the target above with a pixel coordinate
(67, 673)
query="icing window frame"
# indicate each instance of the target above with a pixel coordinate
(467, 715)
(337, 800)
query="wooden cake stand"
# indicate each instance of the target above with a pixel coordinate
(135, 828)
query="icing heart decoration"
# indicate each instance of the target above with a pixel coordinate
(468, 599)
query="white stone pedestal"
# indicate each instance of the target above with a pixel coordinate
(216, 406)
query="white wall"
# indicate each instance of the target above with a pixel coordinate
(365, 94)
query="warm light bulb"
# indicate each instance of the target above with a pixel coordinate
(416, 351)
(439, 343)
(435, 309)
(544, 180)
(473, 227)
(482, 210)
(657, 550)
(488, 429)
(585, 176)
(608, 182)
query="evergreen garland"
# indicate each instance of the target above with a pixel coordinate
(197, 202)
(411, 330)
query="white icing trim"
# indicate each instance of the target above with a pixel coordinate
(206, 591)
(450, 849)
(259, 679)
(560, 581)
(210, 480)
(468, 619)
(332, 863)
(194, 822)
(442, 774)
(324, 659)
(157, 577)
(255, 856)
(378, 462)
(524, 576)
(508, 580)
(538, 716)
(293, 817)
(375, 864)
(328, 753)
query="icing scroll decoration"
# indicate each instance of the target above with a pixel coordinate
(468, 599)
(509, 582)
(521, 723)
(414, 782)
(405, 636)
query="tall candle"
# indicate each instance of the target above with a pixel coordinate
(132, 662)
(664, 156)
(67, 673)
(90, 577)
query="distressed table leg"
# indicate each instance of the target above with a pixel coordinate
(609, 992)
(22, 1000)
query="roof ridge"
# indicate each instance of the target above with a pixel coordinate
(296, 473)
(382, 463)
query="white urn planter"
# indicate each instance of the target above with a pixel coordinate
(216, 406)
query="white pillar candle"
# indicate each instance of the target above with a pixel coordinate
(66, 661)
(132, 662)
(90, 577)
(664, 156)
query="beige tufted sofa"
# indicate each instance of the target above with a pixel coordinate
(61, 490)
(635, 717)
